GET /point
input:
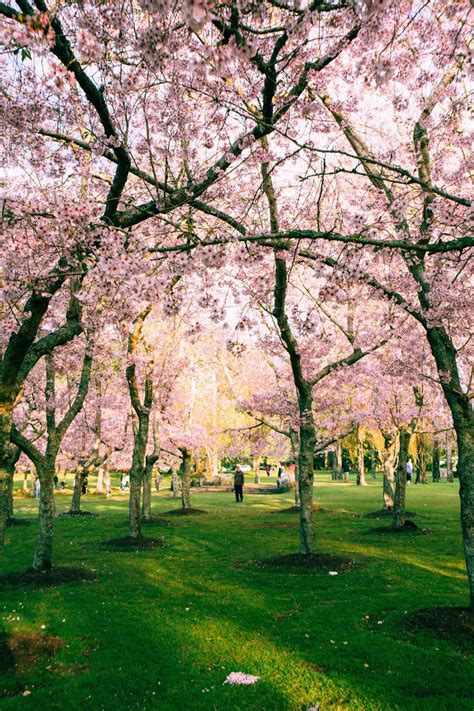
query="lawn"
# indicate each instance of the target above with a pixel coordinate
(162, 628)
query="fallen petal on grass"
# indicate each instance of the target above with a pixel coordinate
(241, 678)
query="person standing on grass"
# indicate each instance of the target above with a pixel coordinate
(239, 481)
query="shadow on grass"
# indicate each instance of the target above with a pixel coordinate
(296, 510)
(76, 514)
(321, 562)
(185, 512)
(133, 544)
(35, 579)
(12, 522)
(455, 625)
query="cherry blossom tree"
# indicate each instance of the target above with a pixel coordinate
(45, 460)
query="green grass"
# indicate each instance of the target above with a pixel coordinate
(162, 628)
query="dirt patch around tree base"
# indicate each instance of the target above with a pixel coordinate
(76, 514)
(48, 578)
(323, 562)
(133, 544)
(407, 528)
(20, 650)
(185, 512)
(452, 624)
(387, 513)
(296, 510)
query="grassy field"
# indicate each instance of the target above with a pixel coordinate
(162, 628)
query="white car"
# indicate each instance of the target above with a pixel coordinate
(244, 467)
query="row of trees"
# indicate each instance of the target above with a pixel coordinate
(164, 154)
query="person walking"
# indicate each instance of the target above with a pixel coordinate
(239, 481)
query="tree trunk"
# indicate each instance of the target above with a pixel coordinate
(295, 452)
(305, 478)
(337, 462)
(389, 457)
(9, 501)
(186, 474)
(175, 484)
(137, 472)
(5, 427)
(401, 480)
(360, 458)
(100, 481)
(107, 481)
(435, 471)
(43, 557)
(77, 491)
(146, 501)
(134, 529)
(449, 457)
(150, 462)
(465, 468)
(256, 468)
(422, 453)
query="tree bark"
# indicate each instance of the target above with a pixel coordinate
(401, 480)
(100, 480)
(175, 484)
(9, 500)
(136, 474)
(295, 451)
(337, 462)
(306, 476)
(360, 458)
(421, 459)
(15, 453)
(435, 471)
(256, 467)
(6, 410)
(43, 557)
(134, 519)
(449, 457)
(186, 478)
(79, 474)
(107, 481)
(140, 434)
(389, 457)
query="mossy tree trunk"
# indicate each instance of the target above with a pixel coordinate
(140, 434)
(15, 453)
(295, 452)
(79, 475)
(43, 557)
(337, 462)
(150, 462)
(449, 457)
(186, 464)
(401, 479)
